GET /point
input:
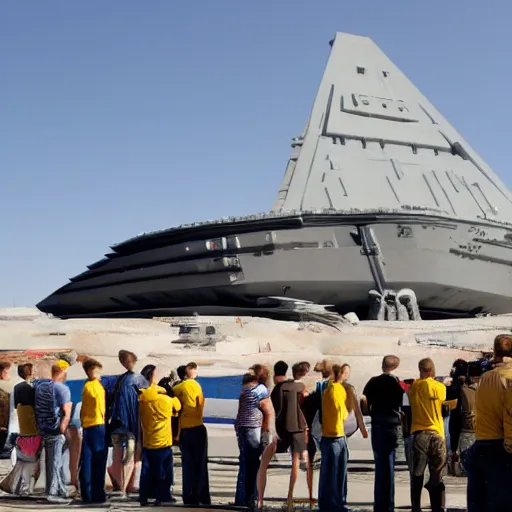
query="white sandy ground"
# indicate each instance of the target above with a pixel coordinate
(263, 341)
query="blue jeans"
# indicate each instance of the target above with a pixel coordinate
(156, 475)
(333, 475)
(93, 464)
(194, 460)
(54, 461)
(249, 444)
(489, 477)
(384, 444)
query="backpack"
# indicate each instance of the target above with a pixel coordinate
(112, 424)
(316, 427)
(47, 414)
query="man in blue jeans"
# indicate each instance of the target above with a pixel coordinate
(382, 399)
(53, 413)
(93, 461)
(333, 467)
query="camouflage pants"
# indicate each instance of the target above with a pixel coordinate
(429, 449)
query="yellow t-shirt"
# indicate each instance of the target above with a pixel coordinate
(93, 404)
(334, 410)
(426, 397)
(190, 394)
(156, 410)
(507, 419)
(493, 405)
(27, 420)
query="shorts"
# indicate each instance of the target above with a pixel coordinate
(428, 448)
(297, 441)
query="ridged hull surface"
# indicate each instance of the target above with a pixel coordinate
(452, 266)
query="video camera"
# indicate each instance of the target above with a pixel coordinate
(479, 367)
(471, 369)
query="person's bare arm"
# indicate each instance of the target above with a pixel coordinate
(364, 405)
(269, 415)
(64, 422)
(360, 419)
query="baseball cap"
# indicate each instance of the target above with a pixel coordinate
(63, 365)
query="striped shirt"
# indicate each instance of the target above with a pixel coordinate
(249, 413)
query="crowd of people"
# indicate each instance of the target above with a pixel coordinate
(474, 405)
(142, 415)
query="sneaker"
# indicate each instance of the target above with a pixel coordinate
(97, 503)
(58, 500)
(171, 501)
(71, 491)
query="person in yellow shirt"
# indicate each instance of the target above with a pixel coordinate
(156, 409)
(333, 468)
(426, 397)
(490, 457)
(93, 463)
(193, 440)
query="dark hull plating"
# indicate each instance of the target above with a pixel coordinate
(454, 267)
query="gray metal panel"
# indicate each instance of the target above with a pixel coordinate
(374, 141)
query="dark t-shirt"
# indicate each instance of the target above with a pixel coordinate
(275, 397)
(24, 394)
(289, 417)
(385, 396)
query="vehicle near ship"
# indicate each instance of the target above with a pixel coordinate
(196, 333)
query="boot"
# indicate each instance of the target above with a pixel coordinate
(416, 488)
(437, 497)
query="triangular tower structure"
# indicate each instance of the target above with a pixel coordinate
(374, 142)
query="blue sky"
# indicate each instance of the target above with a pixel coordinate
(123, 116)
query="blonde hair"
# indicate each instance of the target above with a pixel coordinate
(324, 367)
(426, 365)
(262, 373)
(390, 363)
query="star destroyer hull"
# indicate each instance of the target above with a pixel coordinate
(380, 193)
